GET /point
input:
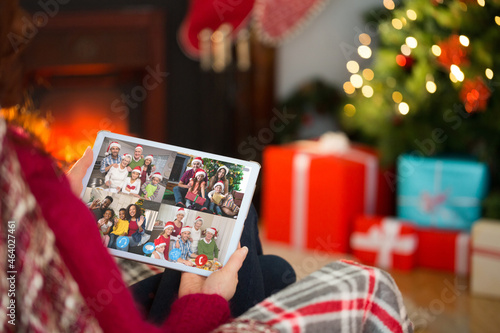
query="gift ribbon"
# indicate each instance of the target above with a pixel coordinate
(301, 165)
(462, 253)
(385, 239)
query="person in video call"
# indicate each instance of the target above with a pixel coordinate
(196, 234)
(151, 188)
(105, 224)
(119, 229)
(185, 246)
(207, 245)
(164, 237)
(159, 251)
(181, 189)
(98, 207)
(196, 186)
(132, 185)
(147, 169)
(112, 157)
(117, 175)
(220, 202)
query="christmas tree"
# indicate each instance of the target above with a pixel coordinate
(430, 88)
(234, 176)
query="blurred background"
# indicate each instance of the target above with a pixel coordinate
(248, 78)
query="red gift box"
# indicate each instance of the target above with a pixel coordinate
(310, 199)
(444, 250)
(384, 242)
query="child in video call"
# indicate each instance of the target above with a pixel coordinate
(222, 202)
(159, 251)
(120, 228)
(197, 185)
(105, 224)
(132, 184)
(165, 236)
(150, 189)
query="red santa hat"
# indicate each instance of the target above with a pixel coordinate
(159, 243)
(219, 183)
(157, 175)
(181, 211)
(127, 155)
(111, 145)
(213, 231)
(186, 228)
(138, 147)
(197, 159)
(199, 218)
(137, 169)
(200, 172)
(149, 157)
(169, 225)
(223, 167)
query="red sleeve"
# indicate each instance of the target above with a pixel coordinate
(90, 264)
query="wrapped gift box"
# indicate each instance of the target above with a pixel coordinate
(485, 259)
(442, 193)
(447, 250)
(384, 242)
(310, 198)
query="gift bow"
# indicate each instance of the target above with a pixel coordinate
(385, 239)
(430, 202)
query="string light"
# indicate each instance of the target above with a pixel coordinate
(481, 3)
(352, 66)
(397, 24)
(489, 73)
(497, 20)
(411, 42)
(436, 50)
(455, 70)
(368, 74)
(403, 108)
(349, 88)
(391, 82)
(397, 97)
(464, 40)
(405, 49)
(367, 91)
(356, 80)
(431, 87)
(365, 39)
(364, 52)
(349, 110)
(410, 13)
(389, 4)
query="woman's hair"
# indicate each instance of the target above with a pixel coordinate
(149, 169)
(195, 180)
(138, 211)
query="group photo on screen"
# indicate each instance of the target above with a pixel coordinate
(164, 204)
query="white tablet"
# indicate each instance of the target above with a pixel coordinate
(168, 206)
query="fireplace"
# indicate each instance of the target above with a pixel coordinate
(95, 71)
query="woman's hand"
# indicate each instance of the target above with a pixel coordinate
(222, 282)
(141, 221)
(78, 171)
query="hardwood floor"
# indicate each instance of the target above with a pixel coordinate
(437, 302)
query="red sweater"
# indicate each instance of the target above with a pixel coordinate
(95, 270)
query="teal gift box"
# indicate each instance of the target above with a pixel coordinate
(440, 192)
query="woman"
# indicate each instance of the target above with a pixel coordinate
(135, 223)
(177, 225)
(220, 176)
(117, 175)
(147, 169)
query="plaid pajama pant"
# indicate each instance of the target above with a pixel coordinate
(341, 297)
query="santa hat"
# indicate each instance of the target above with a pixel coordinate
(127, 155)
(200, 172)
(199, 218)
(198, 159)
(157, 175)
(169, 225)
(159, 243)
(223, 167)
(186, 228)
(221, 184)
(137, 169)
(181, 211)
(138, 147)
(111, 145)
(213, 231)
(149, 157)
